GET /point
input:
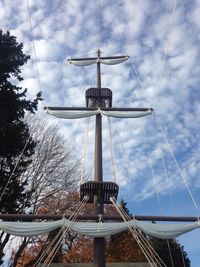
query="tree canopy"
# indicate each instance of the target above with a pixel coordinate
(171, 252)
(16, 146)
(14, 131)
(123, 247)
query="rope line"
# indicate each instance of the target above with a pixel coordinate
(134, 71)
(167, 45)
(65, 28)
(141, 236)
(124, 156)
(16, 165)
(47, 249)
(179, 168)
(183, 259)
(55, 243)
(144, 245)
(34, 49)
(54, 250)
(133, 231)
(166, 179)
(170, 253)
(155, 185)
(84, 201)
(173, 210)
(151, 166)
(98, 23)
(111, 150)
(85, 150)
(50, 247)
(145, 241)
(176, 162)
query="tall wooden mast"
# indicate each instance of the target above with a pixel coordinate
(99, 243)
(99, 191)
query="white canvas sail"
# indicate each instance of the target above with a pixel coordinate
(93, 229)
(79, 114)
(103, 60)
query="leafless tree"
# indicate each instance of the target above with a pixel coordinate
(53, 172)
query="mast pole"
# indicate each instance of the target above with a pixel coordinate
(99, 243)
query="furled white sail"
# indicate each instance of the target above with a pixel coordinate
(106, 61)
(93, 229)
(82, 62)
(126, 114)
(78, 114)
(113, 61)
(72, 114)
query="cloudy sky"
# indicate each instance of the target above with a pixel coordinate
(157, 157)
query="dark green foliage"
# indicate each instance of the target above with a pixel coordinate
(123, 247)
(164, 248)
(124, 207)
(14, 132)
(11, 58)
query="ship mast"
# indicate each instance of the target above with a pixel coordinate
(99, 243)
(98, 190)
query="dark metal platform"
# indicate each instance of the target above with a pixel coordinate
(103, 190)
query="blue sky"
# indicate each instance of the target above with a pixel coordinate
(61, 29)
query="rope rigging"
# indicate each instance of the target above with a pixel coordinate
(33, 44)
(99, 23)
(152, 169)
(54, 245)
(150, 254)
(168, 43)
(134, 70)
(15, 167)
(156, 189)
(85, 151)
(111, 151)
(177, 164)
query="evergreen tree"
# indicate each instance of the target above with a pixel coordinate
(171, 252)
(123, 247)
(14, 132)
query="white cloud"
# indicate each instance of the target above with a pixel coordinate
(47, 50)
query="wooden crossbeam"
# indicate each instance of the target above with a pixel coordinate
(31, 217)
(90, 109)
